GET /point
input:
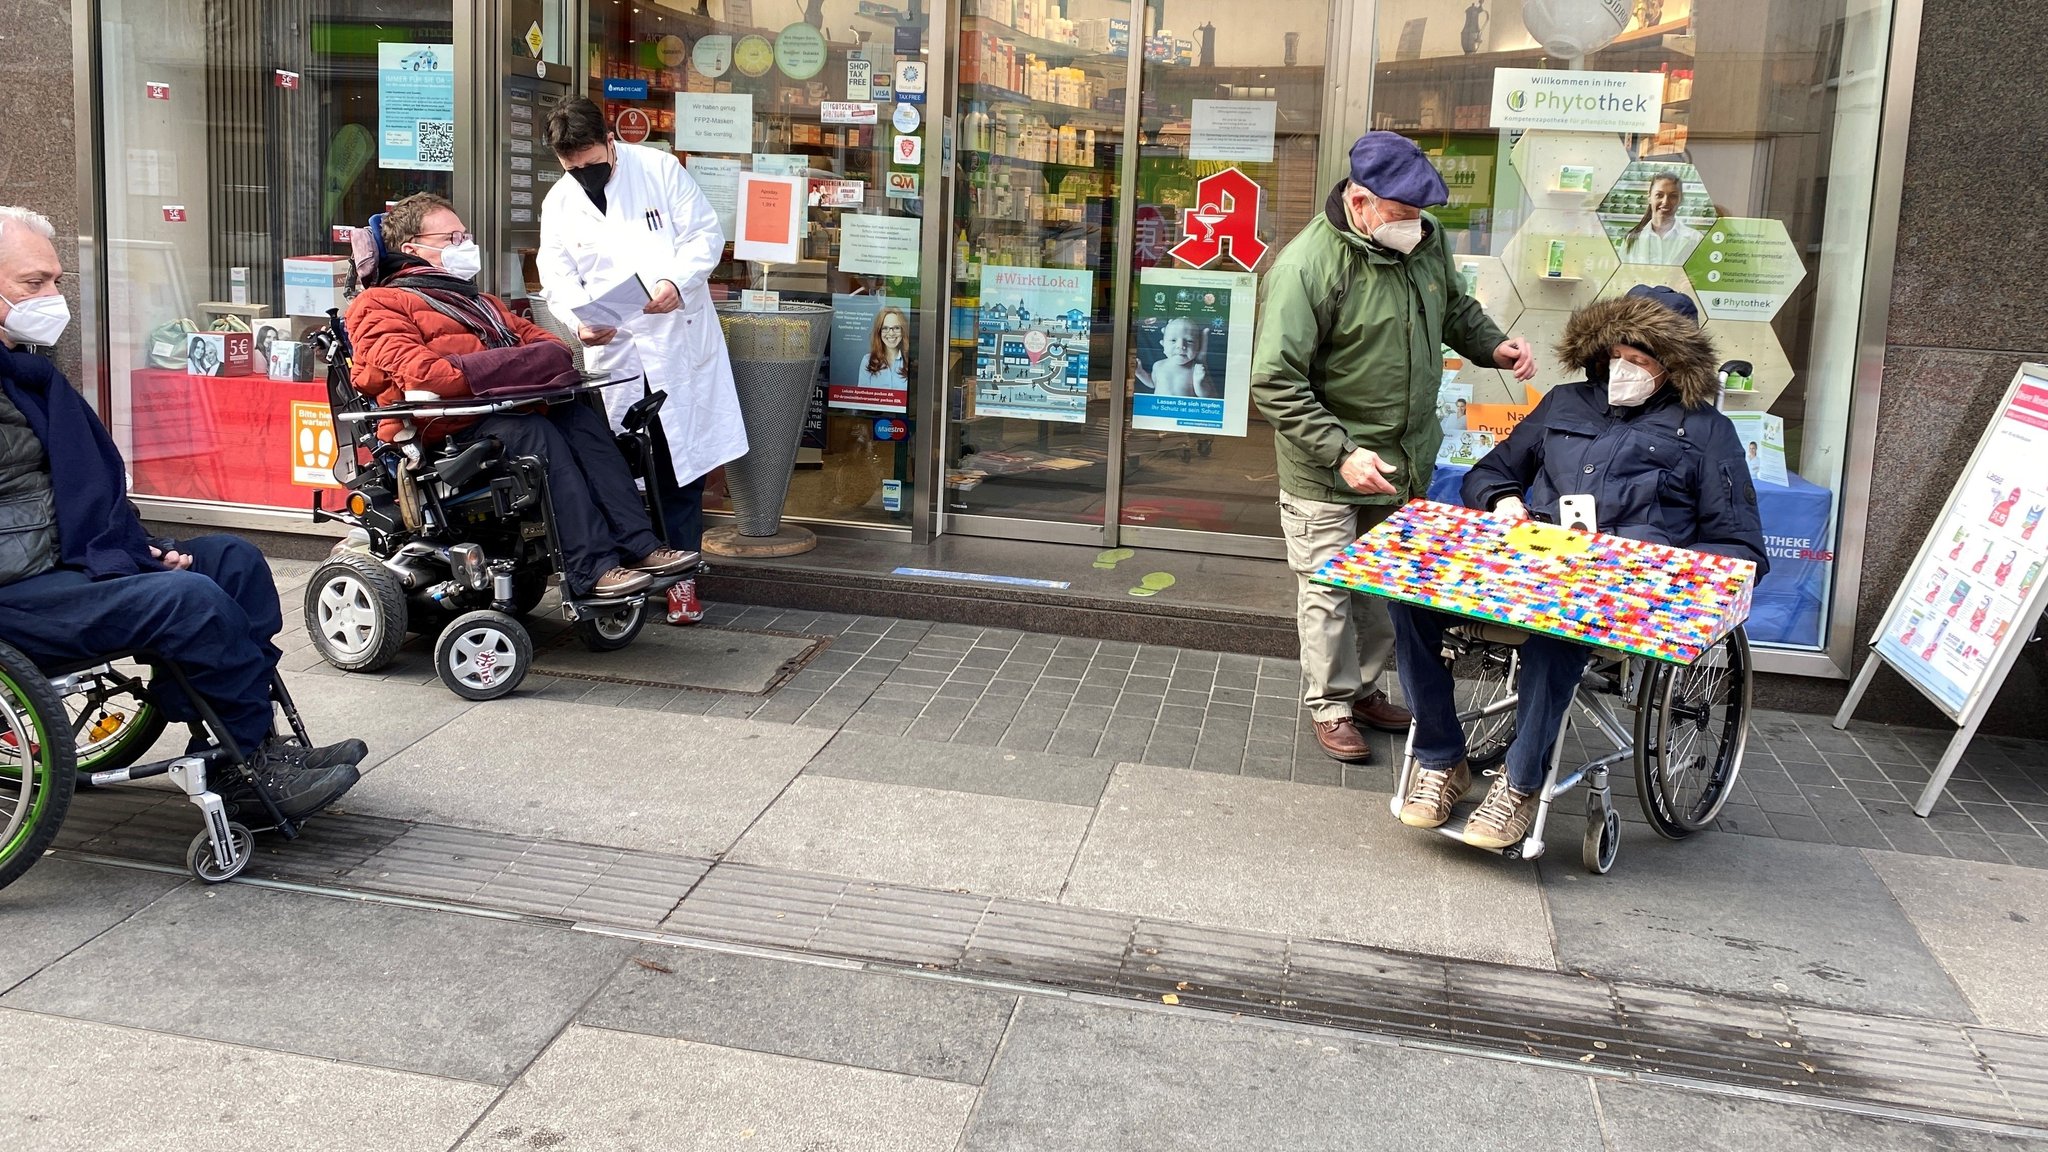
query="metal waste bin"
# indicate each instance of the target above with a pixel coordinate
(775, 357)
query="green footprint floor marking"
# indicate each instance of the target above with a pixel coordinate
(1153, 584)
(1113, 557)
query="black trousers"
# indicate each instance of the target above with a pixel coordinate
(600, 516)
(219, 620)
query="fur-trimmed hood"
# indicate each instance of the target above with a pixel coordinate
(1690, 365)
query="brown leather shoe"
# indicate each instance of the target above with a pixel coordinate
(1374, 710)
(1342, 740)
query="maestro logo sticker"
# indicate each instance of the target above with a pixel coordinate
(1518, 101)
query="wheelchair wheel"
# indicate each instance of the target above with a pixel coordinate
(37, 764)
(613, 629)
(1603, 834)
(200, 859)
(355, 612)
(483, 655)
(113, 720)
(1485, 675)
(1692, 724)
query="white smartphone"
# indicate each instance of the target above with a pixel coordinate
(1576, 513)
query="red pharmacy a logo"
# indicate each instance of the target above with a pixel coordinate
(1225, 218)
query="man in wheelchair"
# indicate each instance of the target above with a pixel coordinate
(425, 327)
(1642, 438)
(81, 582)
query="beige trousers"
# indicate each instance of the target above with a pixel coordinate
(1346, 639)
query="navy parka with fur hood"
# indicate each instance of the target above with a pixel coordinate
(1669, 471)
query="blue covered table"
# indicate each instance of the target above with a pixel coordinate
(1787, 605)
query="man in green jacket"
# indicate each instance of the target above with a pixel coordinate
(1346, 369)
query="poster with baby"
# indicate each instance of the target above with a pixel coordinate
(1194, 349)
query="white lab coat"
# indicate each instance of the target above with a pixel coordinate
(658, 224)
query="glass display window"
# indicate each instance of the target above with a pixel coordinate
(1732, 159)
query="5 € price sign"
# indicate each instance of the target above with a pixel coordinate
(174, 213)
(156, 90)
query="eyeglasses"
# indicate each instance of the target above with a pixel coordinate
(892, 327)
(457, 237)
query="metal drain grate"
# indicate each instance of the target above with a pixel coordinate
(1937, 1069)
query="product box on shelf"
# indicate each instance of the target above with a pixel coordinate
(218, 353)
(314, 284)
(290, 360)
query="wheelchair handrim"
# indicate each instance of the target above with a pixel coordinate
(1728, 733)
(35, 758)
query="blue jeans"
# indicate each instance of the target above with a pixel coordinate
(682, 513)
(1546, 679)
(218, 620)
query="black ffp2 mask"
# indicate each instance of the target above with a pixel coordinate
(593, 178)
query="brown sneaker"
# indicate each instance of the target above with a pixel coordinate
(1374, 710)
(1435, 794)
(1503, 818)
(620, 582)
(667, 561)
(1342, 740)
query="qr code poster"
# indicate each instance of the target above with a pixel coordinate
(416, 107)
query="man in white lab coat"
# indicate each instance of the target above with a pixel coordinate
(628, 210)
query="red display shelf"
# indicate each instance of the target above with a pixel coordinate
(226, 439)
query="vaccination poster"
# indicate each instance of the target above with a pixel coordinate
(1194, 344)
(1032, 343)
(416, 107)
(870, 368)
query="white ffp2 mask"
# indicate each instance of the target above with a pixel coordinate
(37, 320)
(1629, 383)
(463, 260)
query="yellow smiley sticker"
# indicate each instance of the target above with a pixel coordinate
(1547, 539)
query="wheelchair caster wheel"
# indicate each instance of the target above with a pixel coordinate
(612, 629)
(1603, 834)
(483, 655)
(200, 858)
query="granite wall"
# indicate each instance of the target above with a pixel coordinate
(1968, 305)
(39, 162)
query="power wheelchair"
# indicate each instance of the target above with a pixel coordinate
(457, 540)
(86, 726)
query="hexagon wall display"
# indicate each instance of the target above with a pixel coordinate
(1570, 242)
(1657, 212)
(1661, 275)
(1770, 369)
(1543, 327)
(1487, 281)
(1745, 268)
(1562, 170)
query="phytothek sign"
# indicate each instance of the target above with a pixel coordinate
(1567, 101)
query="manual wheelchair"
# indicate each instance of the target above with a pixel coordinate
(1686, 741)
(457, 540)
(86, 726)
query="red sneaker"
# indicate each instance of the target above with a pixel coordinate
(683, 606)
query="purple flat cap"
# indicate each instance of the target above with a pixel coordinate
(1391, 167)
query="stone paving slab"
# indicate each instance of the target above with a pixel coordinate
(987, 771)
(62, 904)
(596, 1090)
(1087, 1076)
(1276, 857)
(1987, 924)
(75, 1086)
(840, 1016)
(1757, 917)
(465, 997)
(919, 836)
(621, 778)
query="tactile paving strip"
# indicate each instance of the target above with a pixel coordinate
(1939, 1070)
